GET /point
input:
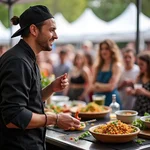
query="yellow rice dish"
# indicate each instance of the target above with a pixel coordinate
(116, 127)
(92, 107)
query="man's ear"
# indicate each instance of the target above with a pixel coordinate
(33, 30)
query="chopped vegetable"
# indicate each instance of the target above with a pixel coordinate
(139, 141)
(76, 115)
(92, 124)
(139, 123)
(84, 134)
(82, 124)
(71, 138)
(146, 114)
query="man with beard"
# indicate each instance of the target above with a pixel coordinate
(22, 118)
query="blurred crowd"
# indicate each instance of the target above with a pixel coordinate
(101, 69)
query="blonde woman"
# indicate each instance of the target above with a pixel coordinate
(107, 71)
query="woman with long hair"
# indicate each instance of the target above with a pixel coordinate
(142, 93)
(107, 71)
(78, 78)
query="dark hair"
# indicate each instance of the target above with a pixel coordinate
(63, 52)
(26, 31)
(145, 56)
(15, 20)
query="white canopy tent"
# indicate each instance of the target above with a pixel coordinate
(123, 28)
(4, 36)
(126, 22)
(87, 24)
(61, 23)
(64, 29)
(147, 35)
(15, 40)
(89, 27)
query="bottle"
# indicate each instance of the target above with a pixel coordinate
(114, 107)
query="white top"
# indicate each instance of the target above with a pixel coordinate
(128, 101)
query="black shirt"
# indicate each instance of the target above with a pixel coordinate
(20, 95)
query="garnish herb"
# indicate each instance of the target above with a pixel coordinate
(84, 134)
(139, 141)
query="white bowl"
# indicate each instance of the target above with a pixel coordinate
(126, 116)
(147, 123)
(73, 103)
(59, 98)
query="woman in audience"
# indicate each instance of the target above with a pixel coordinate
(142, 93)
(107, 71)
(79, 78)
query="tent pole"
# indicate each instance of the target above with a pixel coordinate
(138, 4)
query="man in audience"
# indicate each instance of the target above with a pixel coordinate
(128, 77)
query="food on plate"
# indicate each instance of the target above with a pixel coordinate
(92, 107)
(82, 126)
(115, 127)
(57, 109)
(76, 115)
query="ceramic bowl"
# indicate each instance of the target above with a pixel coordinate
(126, 116)
(146, 120)
(111, 138)
(59, 98)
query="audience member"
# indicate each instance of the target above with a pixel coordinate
(142, 94)
(79, 78)
(129, 74)
(62, 67)
(107, 71)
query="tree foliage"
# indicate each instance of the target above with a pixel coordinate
(110, 9)
(72, 9)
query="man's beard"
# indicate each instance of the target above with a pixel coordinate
(44, 45)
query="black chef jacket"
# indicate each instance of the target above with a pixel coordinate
(20, 95)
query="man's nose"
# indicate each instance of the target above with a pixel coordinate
(55, 36)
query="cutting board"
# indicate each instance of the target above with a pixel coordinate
(144, 134)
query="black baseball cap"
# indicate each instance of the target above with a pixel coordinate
(33, 15)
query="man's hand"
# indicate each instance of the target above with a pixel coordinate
(66, 121)
(60, 83)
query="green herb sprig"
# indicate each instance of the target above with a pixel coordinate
(138, 123)
(140, 141)
(83, 135)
